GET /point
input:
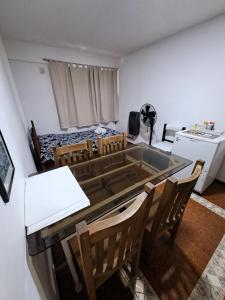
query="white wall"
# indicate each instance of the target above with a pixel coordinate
(13, 269)
(35, 87)
(182, 76)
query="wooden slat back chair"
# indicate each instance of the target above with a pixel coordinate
(111, 144)
(36, 142)
(70, 154)
(36, 147)
(172, 204)
(106, 245)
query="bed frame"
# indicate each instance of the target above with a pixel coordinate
(36, 150)
(36, 147)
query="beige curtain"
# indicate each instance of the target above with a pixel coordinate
(63, 91)
(84, 95)
(106, 93)
(84, 102)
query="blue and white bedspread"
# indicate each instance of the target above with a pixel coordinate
(48, 141)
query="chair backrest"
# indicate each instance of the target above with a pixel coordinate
(105, 246)
(70, 154)
(35, 147)
(173, 201)
(111, 144)
(35, 140)
(169, 132)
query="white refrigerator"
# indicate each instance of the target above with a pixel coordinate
(204, 147)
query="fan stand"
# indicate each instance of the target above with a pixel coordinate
(151, 131)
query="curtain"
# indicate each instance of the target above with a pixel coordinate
(84, 104)
(106, 93)
(62, 88)
(84, 95)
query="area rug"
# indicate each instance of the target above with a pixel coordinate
(194, 267)
(211, 284)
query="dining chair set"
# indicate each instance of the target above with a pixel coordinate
(104, 246)
(70, 154)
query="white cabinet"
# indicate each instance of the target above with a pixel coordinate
(194, 149)
(221, 174)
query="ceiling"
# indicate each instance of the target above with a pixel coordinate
(115, 27)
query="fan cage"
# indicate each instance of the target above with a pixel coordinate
(144, 112)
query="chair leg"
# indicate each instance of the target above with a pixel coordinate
(135, 264)
(69, 259)
(174, 233)
(133, 273)
(147, 249)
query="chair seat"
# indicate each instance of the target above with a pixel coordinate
(165, 146)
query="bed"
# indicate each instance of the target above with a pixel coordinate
(42, 144)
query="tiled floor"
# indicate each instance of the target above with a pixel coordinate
(211, 285)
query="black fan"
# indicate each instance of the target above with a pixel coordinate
(148, 117)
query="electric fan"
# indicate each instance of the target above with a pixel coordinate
(148, 117)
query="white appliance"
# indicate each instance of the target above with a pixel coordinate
(206, 146)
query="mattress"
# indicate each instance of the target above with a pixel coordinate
(47, 141)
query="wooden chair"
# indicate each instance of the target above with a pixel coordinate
(111, 144)
(69, 154)
(36, 147)
(167, 211)
(106, 245)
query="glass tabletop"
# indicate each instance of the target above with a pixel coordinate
(109, 182)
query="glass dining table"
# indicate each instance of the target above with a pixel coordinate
(109, 182)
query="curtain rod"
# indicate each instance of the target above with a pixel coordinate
(27, 61)
(66, 62)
